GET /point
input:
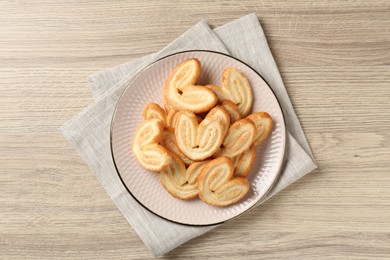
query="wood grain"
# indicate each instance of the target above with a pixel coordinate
(334, 57)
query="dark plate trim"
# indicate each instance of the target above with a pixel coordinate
(186, 224)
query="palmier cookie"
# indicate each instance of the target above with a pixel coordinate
(172, 116)
(180, 91)
(263, 123)
(168, 140)
(217, 185)
(152, 110)
(166, 105)
(179, 182)
(239, 137)
(222, 115)
(236, 88)
(199, 141)
(232, 109)
(243, 162)
(146, 149)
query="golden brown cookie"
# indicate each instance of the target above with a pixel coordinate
(166, 105)
(199, 141)
(193, 171)
(171, 118)
(263, 123)
(146, 149)
(232, 109)
(243, 162)
(180, 91)
(179, 182)
(152, 110)
(236, 84)
(222, 115)
(236, 88)
(218, 91)
(217, 185)
(168, 140)
(239, 137)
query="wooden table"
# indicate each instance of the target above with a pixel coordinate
(334, 57)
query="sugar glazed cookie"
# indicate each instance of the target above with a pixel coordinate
(181, 91)
(180, 182)
(236, 88)
(217, 184)
(152, 110)
(147, 151)
(200, 141)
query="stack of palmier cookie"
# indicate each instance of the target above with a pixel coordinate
(202, 143)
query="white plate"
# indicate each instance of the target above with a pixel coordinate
(145, 186)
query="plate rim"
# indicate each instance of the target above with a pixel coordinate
(282, 162)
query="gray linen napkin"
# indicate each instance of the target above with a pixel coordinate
(89, 131)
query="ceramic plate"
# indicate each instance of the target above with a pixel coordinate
(145, 186)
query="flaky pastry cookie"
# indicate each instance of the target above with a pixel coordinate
(179, 182)
(168, 140)
(193, 171)
(199, 141)
(168, 107)
(152, 110)
(180, 91)
(244, 161)
(232, 109)
(146, 149)
(263, 123)
(171, 118)
(236, 88)
(217, 185)
(222, 115)
(239, 137)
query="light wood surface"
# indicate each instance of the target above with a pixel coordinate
(334, 57)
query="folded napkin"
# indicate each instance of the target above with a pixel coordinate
(89, 131)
